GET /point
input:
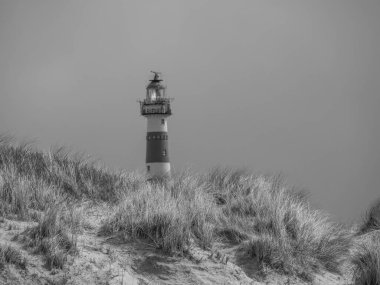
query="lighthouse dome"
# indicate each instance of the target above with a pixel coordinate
(155, 90)
(155, 85)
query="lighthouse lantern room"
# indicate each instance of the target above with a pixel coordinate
(156, 108)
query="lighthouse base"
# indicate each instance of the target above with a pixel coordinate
(158, 169)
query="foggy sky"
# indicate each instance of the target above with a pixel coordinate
(279, 86)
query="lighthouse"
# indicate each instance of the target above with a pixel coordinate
(156, 108)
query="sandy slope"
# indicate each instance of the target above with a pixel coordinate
(117, 260)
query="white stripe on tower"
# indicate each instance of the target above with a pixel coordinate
(155, 123)
(159, 169)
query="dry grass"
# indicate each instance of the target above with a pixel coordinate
(283, 232)
(366, 253)
(372, 219)
(55, 236)
(291, 237)
(32, 180)
(271, 221)
(166, 216)
(43, 187)
(11, 255)
(366, 260)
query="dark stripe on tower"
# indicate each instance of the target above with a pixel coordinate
(157, 147)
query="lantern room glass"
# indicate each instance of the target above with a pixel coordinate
(155, 93)
(152, 95)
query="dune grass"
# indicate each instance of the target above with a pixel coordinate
(366, 260)
(55, 236)
(11, 255)
(31, 181)
(168, 216)
(372, 219)
(274, 223)
(366, 253)
(280, 228)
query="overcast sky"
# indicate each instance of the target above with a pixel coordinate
(279, 86)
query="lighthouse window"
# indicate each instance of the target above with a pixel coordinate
(163, 121)
(164, 152)
(152, 94)
(148, 167)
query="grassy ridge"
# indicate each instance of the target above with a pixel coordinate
(281, 230)
(366, 253)
(271, 221)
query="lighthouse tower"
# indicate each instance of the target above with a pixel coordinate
(156, 108)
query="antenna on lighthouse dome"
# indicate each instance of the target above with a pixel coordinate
(156, 76)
